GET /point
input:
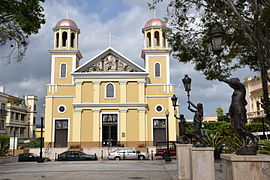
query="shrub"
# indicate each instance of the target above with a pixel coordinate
(264, 147)
(4, 144)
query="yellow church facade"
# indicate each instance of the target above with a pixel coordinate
(109, 100)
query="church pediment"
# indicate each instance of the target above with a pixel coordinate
(109, 61)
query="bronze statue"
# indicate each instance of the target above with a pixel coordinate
(182, 129)
(198, 117)
(238, 116)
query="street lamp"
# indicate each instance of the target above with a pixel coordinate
(217, 34)
(167, 157)
(187, 84)
(174, 101)
(40, 159)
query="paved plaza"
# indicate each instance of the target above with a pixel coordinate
(91, 170)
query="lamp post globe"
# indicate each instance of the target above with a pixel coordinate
(216, 35)
(187, 83)
(174, 101)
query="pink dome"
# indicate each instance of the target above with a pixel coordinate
(154, 22)
(66, 22)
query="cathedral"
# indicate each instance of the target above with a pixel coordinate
(109, 100)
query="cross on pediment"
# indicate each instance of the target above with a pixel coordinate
(109, 39)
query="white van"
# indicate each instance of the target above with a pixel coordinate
(260, 135)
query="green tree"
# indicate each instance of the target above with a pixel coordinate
(4, 144)
(219, 111)
(246, 42)
(18, 20)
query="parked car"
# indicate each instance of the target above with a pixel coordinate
(127, 153)
(76, 156)
(30, 157)
(161, 149)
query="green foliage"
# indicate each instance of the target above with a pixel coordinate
(214, 140)
(4, 144)
(246, 40)
(18, 20)
(219, 111)
(264, 147)
(257, 127)
(35, 143)
(232, 143)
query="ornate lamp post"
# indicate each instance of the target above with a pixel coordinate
(187, 84)
(40, 159)
(167, 157)
(182, 121)
(217, 35)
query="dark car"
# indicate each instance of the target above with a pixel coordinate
(76, 156)
(30, 157)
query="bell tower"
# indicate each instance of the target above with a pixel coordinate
(156, 51)
(65, 53)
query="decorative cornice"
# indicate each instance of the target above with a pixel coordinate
(95, 110)
(123, 82)
(141, 110)
(96, 82)
(78, 53)
(78, 83)
(110, 75)
(59, 96)
(123, 110)
(141, 82)
(158, 96)
(78, 110)
(109, 104)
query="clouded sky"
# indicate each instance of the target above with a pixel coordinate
(96, 18)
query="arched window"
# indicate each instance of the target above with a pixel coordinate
(110, 90)
(164, 39)
(63, 70)
(57, 39)
(64, 39)
(157, 70)
(148, 39)
(72, 40)
(156, 39)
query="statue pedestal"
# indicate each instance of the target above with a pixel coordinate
(245, 167)
(195, 163)
(184, 160)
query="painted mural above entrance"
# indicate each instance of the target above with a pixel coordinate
(109, 61)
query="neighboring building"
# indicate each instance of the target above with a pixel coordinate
(210, 119)
(31, 103)
(109, 100)
(254, 95)
(17, 115)
(3, 105)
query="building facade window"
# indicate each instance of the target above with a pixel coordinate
(159, 108)
(34, 120)
(63, 70)
(57, 39)
(110, 90)
(148, 39)
(3, 109)
(2, 124)
(157, 70)
(61, 109)
(72, 40)
(156, 39)
(64, 39)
